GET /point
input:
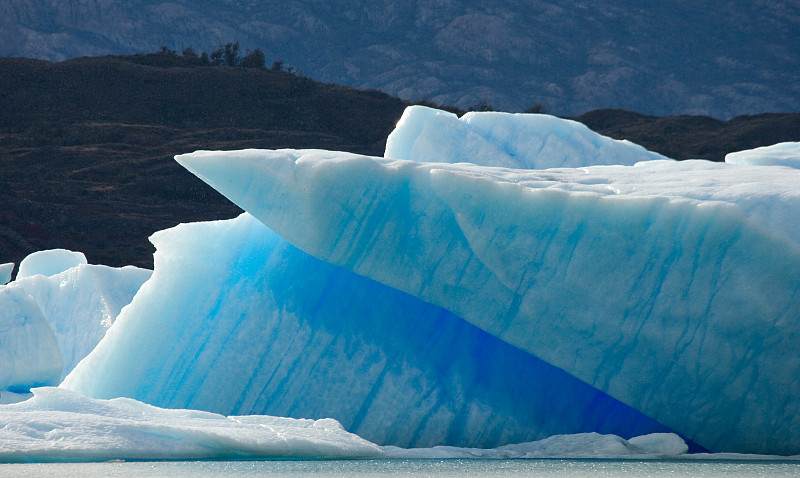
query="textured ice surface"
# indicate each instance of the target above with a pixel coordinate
(781, 154)
(527, 141)
(79, 303)
(29, 354)
(5, 272)
(671, 286)
(237, 321)
(579, 445)
(49, 262)
(57, 425)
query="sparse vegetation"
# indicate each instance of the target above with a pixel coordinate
(538, 108)
(481, 106)
(96, 172)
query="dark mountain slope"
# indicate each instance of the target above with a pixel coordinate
(86, 145)
(707, 57)
(694, 137)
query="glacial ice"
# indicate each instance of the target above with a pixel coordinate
(525, 141)
(671, 286)
(70, 309)
(5, 272)
(578, 445)
(57, 425)
(29, 354)
(62, 426)
(781, 154)
(49, 262)
(427, 303)
(308, 339)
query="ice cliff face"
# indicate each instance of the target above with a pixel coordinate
(237, 321)
(661, 284)
(427, 302)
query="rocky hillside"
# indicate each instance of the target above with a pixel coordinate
(707, 57)
(86, 145)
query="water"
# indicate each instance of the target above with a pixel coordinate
(417, 468)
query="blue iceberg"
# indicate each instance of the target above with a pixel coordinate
(235, 320)
(670, 286)
(437, 296)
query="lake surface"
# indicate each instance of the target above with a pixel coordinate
(416, 468)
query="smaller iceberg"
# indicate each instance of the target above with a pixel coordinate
(5, 272)
(57, 425)
(781, 154)
(522, 141)
(50, 262)
(55, 313)
(578, 445)
(29, 353)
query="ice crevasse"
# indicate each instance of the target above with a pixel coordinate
(669, 290)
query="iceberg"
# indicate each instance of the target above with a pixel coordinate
(781, 154)
(57, 425)
(5, 272)
(29, 353)
(579, 445)
(670, 286)
(49, 262)
(66, 300)
(525, 141)
(614, 304)
(237, 321)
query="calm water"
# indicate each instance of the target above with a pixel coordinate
(415, 468)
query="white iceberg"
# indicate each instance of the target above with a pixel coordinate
(429, 303)
(29, 353)
(57, 425)
(64, 305)
(49, 262)
(781, 154)
(526, 141)
(81, 303)
(5, 272)
(579, 445)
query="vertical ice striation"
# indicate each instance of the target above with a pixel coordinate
(671, 286)
(237, 321)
